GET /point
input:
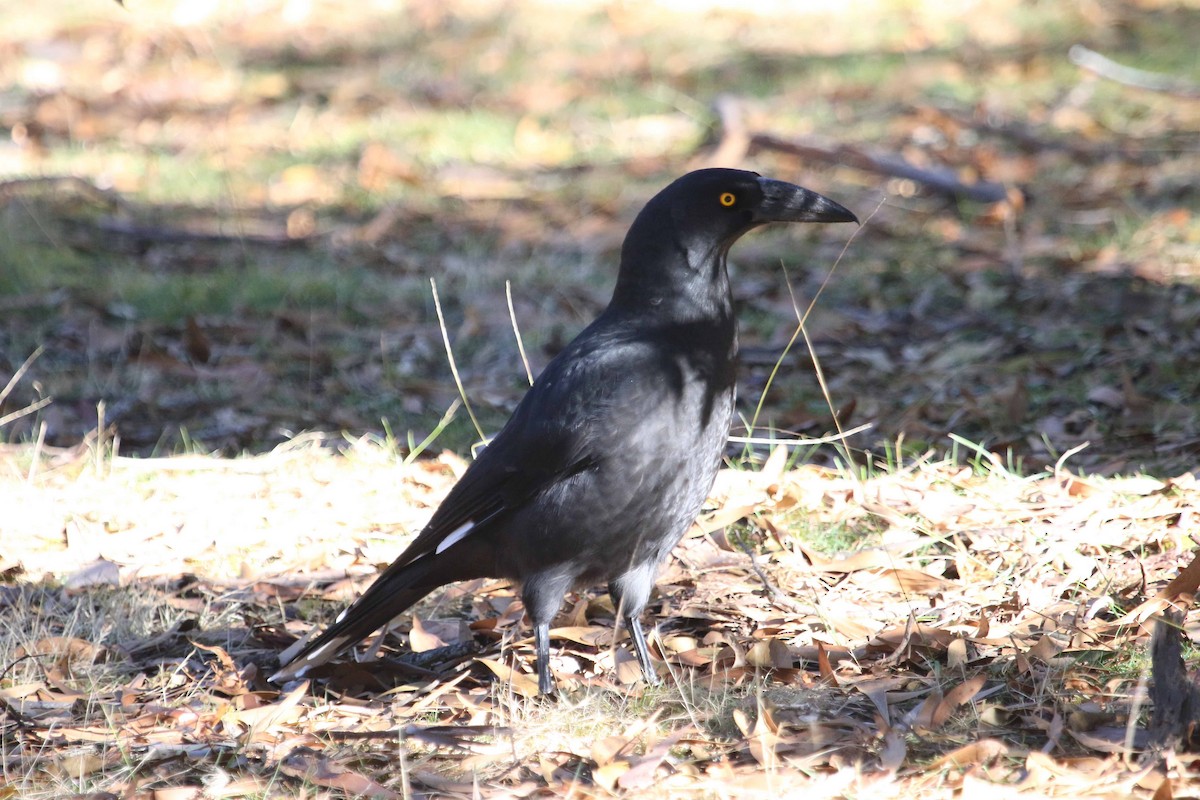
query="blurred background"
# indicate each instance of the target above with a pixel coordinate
(218, 220)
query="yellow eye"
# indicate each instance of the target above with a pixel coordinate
(728, 199)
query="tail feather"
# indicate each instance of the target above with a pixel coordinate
(398, 588)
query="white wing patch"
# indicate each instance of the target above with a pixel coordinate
(455, 536)
(317, 657)
(322, 653)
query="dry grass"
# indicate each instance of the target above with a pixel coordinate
(985, 632)
(927, 620)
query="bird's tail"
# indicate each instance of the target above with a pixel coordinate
(392, 593)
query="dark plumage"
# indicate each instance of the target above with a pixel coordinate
(608, 458)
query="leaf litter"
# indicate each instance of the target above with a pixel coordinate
(903, 624)
(986, 647)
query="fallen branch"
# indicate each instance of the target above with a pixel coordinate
(1030, 140)
(939, 179)
(735, 142)
(1105, 67)
(157, 235)
(1175, 719)
(59, 184)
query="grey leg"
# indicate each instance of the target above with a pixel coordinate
(629, 593)
(643, 653)
(541, 646)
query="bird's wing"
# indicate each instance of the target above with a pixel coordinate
(534, 451)
(529, 456)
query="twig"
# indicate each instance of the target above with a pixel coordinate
(777, 596)
(736, 142)
(37, 405)
(148, 234)
(1030, 140)
(21, 370)
(59, 183)
(12, 382)
(734, 139)
(1106, 68)
(939, 179)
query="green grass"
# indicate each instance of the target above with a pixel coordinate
(832, 540)
(587, 113)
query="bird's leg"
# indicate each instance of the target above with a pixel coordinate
(643, 653)
(542, 595)
(624, 591)
(541, 647)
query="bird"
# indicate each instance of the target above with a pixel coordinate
(609, 456)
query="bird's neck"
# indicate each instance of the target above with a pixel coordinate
(675, 284)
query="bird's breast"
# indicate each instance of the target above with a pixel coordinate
(669, 447)
(653, 417)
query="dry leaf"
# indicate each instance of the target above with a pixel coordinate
(1186, 582)
(925, 719)
(823, 666)
(608, 748)
(908, 581)
(960, 694)
(1164, 791)
(629, 671)
(99, 573)
(265, 722)
(983, 751)
(590, 635)
(78, 766)
(520, 683)
(643, 770)
(70, 648)
(956, 653)
(895, 749)
(432, 634)
(1045, 649)
(769, 654)
(608, 774)
(307, 765)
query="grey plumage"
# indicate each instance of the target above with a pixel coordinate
(609, 456)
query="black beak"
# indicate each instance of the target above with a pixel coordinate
(786, 202)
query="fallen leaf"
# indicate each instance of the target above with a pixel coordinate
(264, 723)
(643, 770)
(99, 573)
(983, 751)
(70, 648)
(520, 683)
(1186, 582)
(894, 751)
(608, 774)
(769, 654)
(959, 695)
(304, 763)
(606, 749)
(421, 639)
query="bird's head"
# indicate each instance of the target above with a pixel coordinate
(719, 205)
(685, 230)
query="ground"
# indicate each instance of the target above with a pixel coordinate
(226, 399)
